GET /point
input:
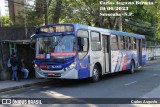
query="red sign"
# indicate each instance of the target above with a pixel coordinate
(41, 56)
(63, 54)
(50, 74)
(43, 66)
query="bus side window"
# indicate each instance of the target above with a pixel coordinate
(137, 42)
(121, 42)
(143, 44)
(83, 43)
(129, 43)
(95, 41)
(114, 42)
(134, 43)
(126, 42)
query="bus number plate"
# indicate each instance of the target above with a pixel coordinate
(51, 74)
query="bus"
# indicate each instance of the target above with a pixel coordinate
(76, 51)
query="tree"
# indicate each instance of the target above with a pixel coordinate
(6, 21)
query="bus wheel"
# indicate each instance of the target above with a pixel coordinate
(95, 74)
(132, 67)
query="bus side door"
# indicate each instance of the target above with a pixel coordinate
(106, 53)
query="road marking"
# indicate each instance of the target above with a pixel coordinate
(130, 83)
(46, 87)
(33, 89)
(155, 75)
(5, 96)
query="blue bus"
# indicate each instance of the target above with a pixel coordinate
(76, 51)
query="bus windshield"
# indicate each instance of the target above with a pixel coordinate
(55, 47)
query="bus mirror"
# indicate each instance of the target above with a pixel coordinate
(32, 43)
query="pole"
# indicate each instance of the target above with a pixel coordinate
(46, 13)
(1, 16)
(25, 21)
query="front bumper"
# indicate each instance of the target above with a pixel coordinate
(70, 74)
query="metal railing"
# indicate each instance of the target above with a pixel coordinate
(153, 50)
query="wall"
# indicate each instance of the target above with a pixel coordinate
(15, 33)
(5, 72)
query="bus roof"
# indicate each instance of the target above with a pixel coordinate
(114, 32)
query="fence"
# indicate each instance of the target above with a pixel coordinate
(153, 50)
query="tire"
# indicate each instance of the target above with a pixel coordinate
(95, 74)
(132, 67)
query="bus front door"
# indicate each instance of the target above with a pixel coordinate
(106, 60)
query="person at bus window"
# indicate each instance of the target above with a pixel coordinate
(14, 65)
(23, 68)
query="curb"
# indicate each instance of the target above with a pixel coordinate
(27, 85)
(152, 62)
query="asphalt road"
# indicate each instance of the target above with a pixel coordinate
(144, 83)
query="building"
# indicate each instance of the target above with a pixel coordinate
(4, 10)
(14, 40)
(16, 7)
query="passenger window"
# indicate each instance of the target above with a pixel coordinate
(134, 43)
(83, 43)
(129, 43)
(121, 42)
(95, 41)
(114, 42)
(143, 44)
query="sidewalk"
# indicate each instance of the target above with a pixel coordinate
(8, 85)
(153, 61)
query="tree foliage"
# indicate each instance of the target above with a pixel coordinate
(145, 19)
(6, 21)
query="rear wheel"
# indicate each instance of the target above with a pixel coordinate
(132, 68)
(95, 74)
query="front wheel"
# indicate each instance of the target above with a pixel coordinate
(132, 69)
(95, 74)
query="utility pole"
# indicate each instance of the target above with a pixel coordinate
(25, 21)
(46, 11)
(1, 16)
(120, 23)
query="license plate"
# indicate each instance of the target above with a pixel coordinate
(51, 74)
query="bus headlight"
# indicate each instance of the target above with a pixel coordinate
(70, 67)
(35, 65)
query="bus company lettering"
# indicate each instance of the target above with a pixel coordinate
(56, 66)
